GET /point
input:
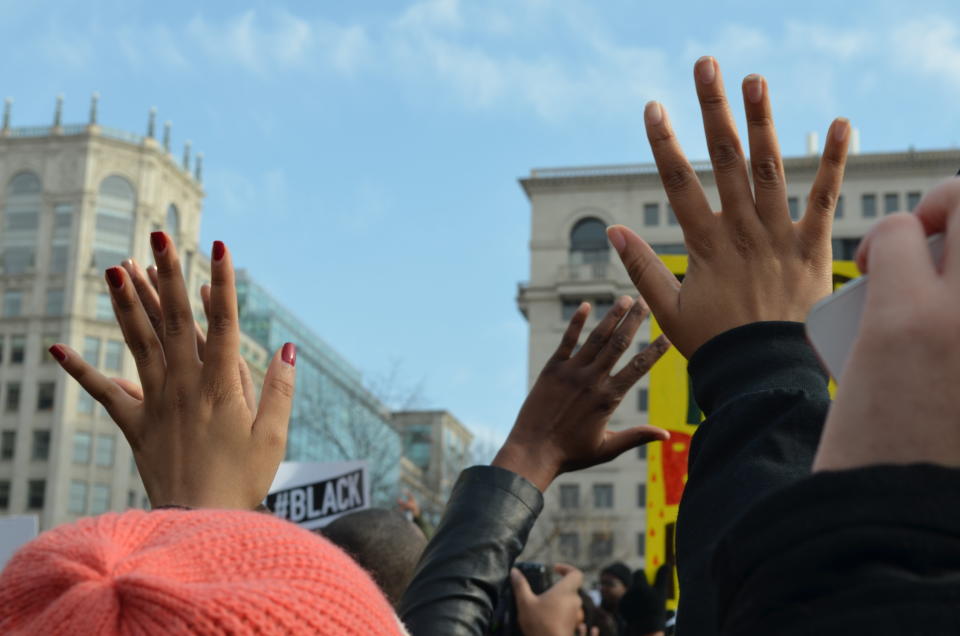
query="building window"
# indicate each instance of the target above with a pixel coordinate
(41, 446)
(8, 442)
(12, 303)
(601, 545)
(104, 307)
(54, 302)
(891, 202)
(18, 347)
(641, 495)
(642, 452)
(59, 255)
(868, 206)
(45, 395)
(603, 495)
(131, 499)
(105, 447)
(845, 249)
(641, 544)
(601, 306)
(671, 216)
(793, 204)
(12, 403)
(36, 489)
(78, 497)
(643, 397)
(669, 248)
(568, 308)
(47, 341)
(588, 242)
(100, 499)
(81, 447)
(85, 403)
(838, 211)
(4, 494)
(21, 220)
(173, 222)
(913, 200)
(651, 214)
(113, 356)
(116, 202)
(570, 545)
(570, 496)
(91, 350)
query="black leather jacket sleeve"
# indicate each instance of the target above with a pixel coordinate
(765, 396)
(464, 567)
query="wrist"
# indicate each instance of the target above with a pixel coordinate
(533, 464)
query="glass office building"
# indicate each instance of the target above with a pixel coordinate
(334, 417)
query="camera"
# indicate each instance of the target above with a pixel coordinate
(505, 623)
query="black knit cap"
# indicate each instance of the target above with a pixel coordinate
(643, 608)
(618, 570)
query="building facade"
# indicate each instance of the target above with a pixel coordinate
(436, 448)
(335, 418)
(76, 199)
(595, 516)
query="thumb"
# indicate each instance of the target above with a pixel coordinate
(650, 276)
(276, 398)
(618, 442)
(521, 588)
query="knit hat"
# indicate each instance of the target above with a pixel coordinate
(618, 570)
(643, 607)
(188, 571)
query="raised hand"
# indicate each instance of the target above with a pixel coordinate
(556, 612)
(895, 400)
(194, 438)
(749, 262)
(562, 425)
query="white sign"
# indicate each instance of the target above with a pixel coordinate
(14, 532)
(313, 494)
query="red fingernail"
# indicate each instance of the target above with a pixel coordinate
(115, 276)
(289, 354)
(159, 241)
(219, 249)
(57, 352)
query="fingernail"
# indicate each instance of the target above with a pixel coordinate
(289, 354)
(840, 128)
(115, 277)
(218, 250)
(58, 352)
(754, 86)
(617, 239)
(706, 69)
(159, 241)
(653, 113)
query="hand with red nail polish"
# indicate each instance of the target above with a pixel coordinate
(197, 437)
(757, 259)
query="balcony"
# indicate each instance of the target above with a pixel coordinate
(584, 272)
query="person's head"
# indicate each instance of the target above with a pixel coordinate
(188, 571)
(384, 543)
(614, 581)
(597, 618)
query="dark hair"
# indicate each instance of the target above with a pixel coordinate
(384, 543)
(619, 570)
(594, 616)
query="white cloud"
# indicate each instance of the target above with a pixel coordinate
(930, 45)
(837, 43)
(239, 195)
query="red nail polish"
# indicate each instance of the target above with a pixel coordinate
(218, 250)
(289, 354)
(115, 277)
(57, 352)
(159, 241)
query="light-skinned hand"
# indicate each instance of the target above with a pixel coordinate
(556, 612)
(895, 400)
(749, 262)
(562, 425)
(194, 438)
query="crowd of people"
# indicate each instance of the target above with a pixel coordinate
(799, 516)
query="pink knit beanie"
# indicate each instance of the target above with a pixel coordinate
(188, 572)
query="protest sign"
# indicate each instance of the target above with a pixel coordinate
(14, 532)
(313, 494)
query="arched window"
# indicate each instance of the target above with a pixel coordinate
(173, 222)
(20, 223)
(116, 203)
(588, 242)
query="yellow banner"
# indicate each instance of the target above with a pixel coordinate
(672, 407)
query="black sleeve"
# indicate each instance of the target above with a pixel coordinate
(765, 396)
(463, 569)
(874, 550)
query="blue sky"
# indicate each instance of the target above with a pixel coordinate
(362, 157)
